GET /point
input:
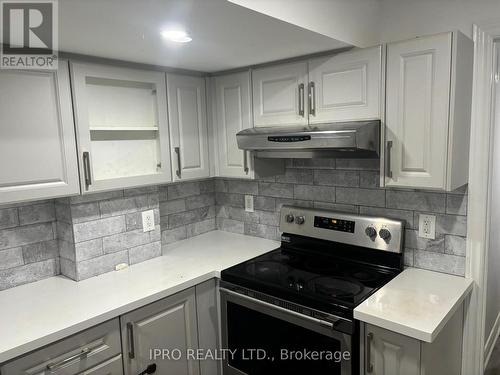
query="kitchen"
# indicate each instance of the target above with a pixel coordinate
(199, 186)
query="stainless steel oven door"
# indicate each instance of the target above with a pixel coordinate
(249, 324)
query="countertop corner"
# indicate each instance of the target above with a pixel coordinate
(416, 303)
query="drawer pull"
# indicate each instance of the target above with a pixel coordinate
(83, 354)
(369, 365)
(87, 172)
(179, 168)
(131, 344)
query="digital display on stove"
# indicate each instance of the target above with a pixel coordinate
(334, 224)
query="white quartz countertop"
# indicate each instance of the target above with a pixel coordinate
(40, 313)
(416, 303)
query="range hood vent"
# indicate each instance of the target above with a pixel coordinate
(355, 139)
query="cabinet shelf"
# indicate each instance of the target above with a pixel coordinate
(124, 128)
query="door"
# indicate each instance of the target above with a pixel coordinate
(37, 136)
(345, 86)
(279, 95)
(272, 340)
(233, 114)
(389, 353)
(187, 115)
(121, 119)
(161, 333)
(417, 111)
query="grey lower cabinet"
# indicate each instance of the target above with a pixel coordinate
(176, 327)
(95, 351)
(390, 353)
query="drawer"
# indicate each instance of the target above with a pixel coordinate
(113, 366)
(72, 355)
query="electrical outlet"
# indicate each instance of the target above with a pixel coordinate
(249, 203)
(427, 226)
(148, 221)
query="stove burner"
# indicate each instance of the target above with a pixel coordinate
(363, 275)
(280, 257)
(321, 267)
(267, 269)
(335, 287)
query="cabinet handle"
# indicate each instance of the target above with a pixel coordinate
(245, 162)
(312, 98)
(388, 158)
(178, 152)
(369, 340)
(131, 344)
(86, 169)
(55, 366)
(301, 99)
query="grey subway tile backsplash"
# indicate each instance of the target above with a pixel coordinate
(416, 200)
(85, 236)
(38, 213)
(352, 186)
(9, 218)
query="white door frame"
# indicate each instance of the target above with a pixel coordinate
(478, 198)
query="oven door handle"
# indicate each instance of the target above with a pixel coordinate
(278, 308)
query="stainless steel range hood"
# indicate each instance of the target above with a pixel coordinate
(355, 139)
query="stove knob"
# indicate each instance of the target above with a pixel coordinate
(289, 218)
(300, 220)
(371, 232)
(384, 234)
(300, 285)
(291, 281)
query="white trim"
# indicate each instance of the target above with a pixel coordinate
(492, 340)
(477, 216)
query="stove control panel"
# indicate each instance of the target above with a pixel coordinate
(334, 224)
(367, 231)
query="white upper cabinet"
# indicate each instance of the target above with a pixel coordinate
(428, 100)
(37, 136)
(122, 128)
(345, 86)
(233, 113)
(187, 115)
(279, 94)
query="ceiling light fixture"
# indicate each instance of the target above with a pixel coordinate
(177, 36)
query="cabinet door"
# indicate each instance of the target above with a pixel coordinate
(121, 117)
(279, 95)
(417, 111)
(113, 366)
(187, 115)
(390, 353)
(345, 86)
(37, 136)
(167, 325)
(208, 324)
(233, 114)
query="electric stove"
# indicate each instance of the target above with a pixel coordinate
(302, 295)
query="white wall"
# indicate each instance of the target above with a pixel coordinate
(493, 282)
(403, 19)
(368, 22)
(351, 21)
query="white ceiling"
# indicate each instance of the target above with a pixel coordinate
(225, 35)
